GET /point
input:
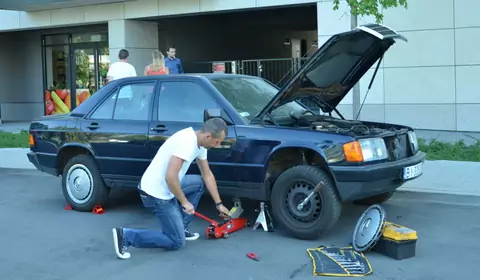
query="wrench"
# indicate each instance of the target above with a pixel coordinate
(316, 189)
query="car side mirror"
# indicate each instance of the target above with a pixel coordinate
(217, 113)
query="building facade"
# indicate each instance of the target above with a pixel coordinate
(428, 83)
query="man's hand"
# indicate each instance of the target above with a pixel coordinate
(188, 208)
(223, 211)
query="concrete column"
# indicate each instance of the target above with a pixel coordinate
(140, 38)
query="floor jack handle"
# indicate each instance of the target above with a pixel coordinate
(205, 218)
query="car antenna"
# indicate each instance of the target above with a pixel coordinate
(369, 86)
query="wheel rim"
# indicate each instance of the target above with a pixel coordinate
(79, 183)
(311, 210)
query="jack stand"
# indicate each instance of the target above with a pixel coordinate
(264, 219)
(237, 209)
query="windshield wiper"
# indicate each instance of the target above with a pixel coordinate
(257, 120)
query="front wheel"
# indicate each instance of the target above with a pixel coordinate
(318, 215)
(82, 184)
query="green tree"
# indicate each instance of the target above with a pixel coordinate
(371, 7)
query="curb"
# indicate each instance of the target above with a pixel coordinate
(439, 177)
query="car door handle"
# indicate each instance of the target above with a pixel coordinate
(93, 126)
(159, 128)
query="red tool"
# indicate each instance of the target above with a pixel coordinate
(224, 228)
(253, 256)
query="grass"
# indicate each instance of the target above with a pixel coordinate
(456, 151)
(14, 140)
(435, 150)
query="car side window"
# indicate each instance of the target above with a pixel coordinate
(184, 102)
(105, 111)
(133, 102)
(130, 102)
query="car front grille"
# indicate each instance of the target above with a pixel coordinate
(398, 147)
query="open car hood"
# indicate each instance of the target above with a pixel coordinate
(336, 67)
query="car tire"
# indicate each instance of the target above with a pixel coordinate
(377, 199)
(82, 184)
(292, 187)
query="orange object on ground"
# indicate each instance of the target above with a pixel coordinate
(98, 210)
(223, 229)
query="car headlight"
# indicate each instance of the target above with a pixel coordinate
(365, 150)
(413, 140)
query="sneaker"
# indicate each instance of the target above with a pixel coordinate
(191, 236)
(119, 244)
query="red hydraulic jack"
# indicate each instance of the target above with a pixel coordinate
(96, 210)
(224, 228)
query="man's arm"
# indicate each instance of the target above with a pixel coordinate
(174, 166)
(180, 66)
(209, 179)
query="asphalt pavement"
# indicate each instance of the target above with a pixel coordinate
(43, 241)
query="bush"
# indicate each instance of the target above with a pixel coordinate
(14, 140)
(457, 151)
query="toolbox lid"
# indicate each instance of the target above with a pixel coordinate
(369, 228)
(399, 233)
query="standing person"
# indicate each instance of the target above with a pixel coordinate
(121, 69)
(158, 65)
(173, 63)
(170, 194)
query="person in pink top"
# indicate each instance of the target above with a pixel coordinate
(158, 65)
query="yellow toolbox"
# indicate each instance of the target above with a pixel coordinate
(397, 242)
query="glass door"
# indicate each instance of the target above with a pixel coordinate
(90, 64)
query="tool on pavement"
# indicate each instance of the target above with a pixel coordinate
(397, 242)
(253, 256)
(224, 228)
(369, 228)
(338, 261)
(264, 219)
(307, 199)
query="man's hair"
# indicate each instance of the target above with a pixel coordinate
(123, 54)
(170, 47)
(215, 126)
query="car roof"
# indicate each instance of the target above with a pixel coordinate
(99, 95)
(189, 75)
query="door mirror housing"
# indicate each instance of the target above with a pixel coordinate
(217, 113)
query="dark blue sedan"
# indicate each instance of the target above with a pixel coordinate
(277, 149)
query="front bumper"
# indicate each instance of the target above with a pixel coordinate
(358, 182)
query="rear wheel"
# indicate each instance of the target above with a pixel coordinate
(377, 199)
(318, 215)
(83, 187)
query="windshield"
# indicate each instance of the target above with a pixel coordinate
(248, 95)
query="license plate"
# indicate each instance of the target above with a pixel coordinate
(413, 171)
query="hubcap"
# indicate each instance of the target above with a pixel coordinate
(79, 183)
(311, 210)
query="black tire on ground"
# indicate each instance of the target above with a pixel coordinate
(377, 199)
(292, 187)
(82, 184)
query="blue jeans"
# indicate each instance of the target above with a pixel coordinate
(172, 219)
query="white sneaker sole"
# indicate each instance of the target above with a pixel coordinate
(125, 255)
(193, 238)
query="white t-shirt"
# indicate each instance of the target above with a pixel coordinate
(182, 144)
(121, 69)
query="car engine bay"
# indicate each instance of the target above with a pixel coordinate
(353, 128)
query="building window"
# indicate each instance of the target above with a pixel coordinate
(57, 76)
(75, 67)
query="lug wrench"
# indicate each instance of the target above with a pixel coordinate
(316, 189)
